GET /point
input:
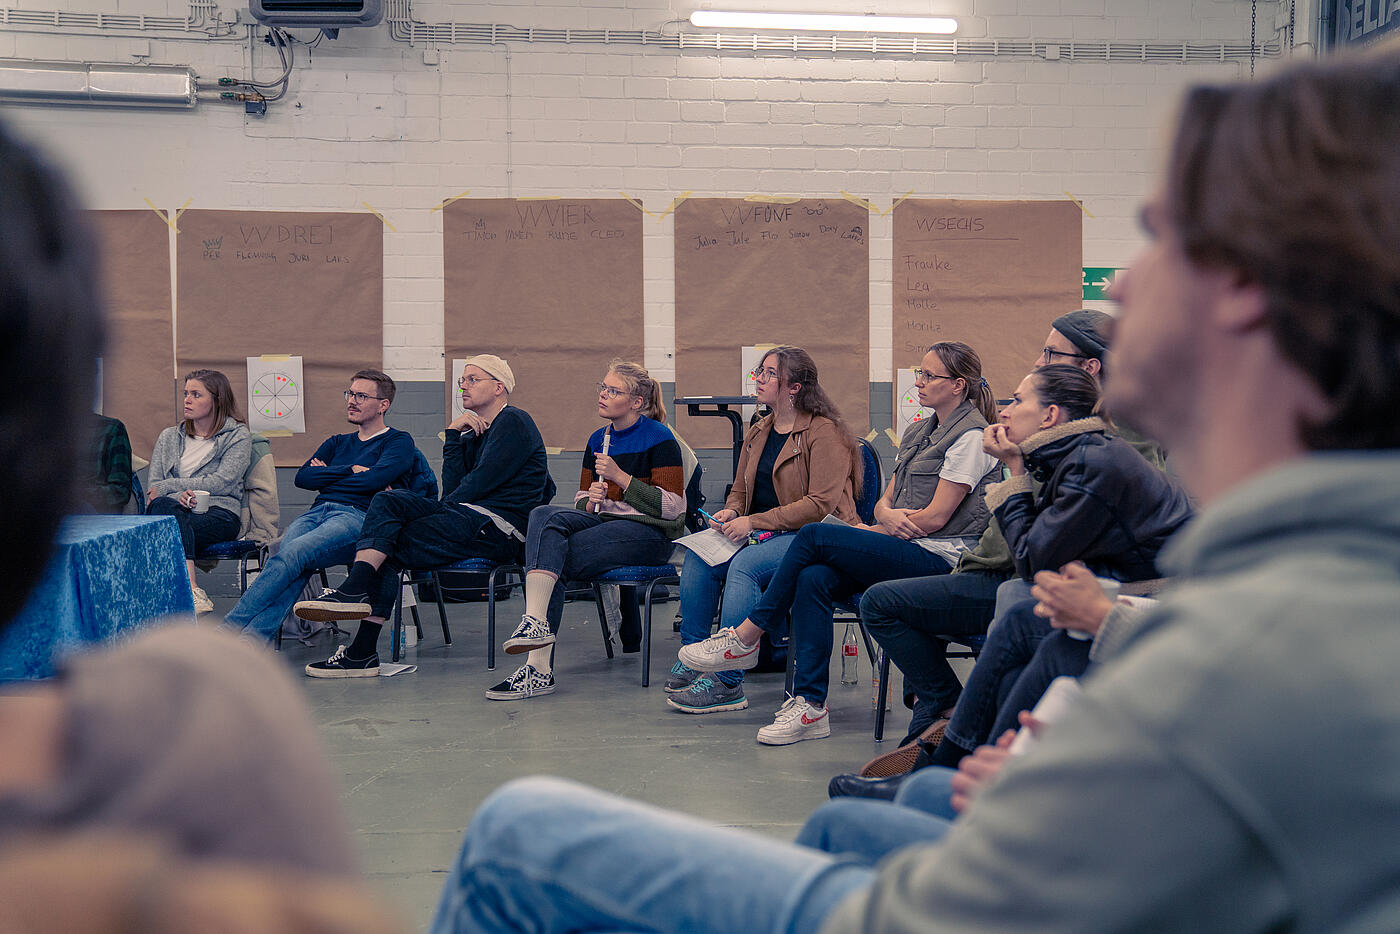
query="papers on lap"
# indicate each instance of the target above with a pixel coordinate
(710, 546)
(714, 549)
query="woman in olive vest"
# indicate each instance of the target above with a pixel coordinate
(932, 511)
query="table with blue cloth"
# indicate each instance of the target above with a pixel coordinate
(110, 575)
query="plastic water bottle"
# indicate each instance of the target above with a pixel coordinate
(849, 653)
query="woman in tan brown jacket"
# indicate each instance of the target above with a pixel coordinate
(799, 464)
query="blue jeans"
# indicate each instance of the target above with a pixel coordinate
(866, 830)
(545, 855)
(323, 536)
(823, 564)
(743, 578)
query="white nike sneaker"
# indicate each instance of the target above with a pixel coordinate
(721, 652)
(796, 720)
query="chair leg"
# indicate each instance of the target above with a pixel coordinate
(442, 608)
(396, 629)
(417, 623)
(603, 619)
(491, 621)
(873, 652)
(869, 644)
(646, 632)
(884, 692)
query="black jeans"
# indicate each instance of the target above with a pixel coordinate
(994, 694)
(423, 533)
(910, 619)
(577, 545)
(197, 529)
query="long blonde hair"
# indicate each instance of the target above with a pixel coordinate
(640, 383)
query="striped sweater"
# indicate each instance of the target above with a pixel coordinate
(650, 455)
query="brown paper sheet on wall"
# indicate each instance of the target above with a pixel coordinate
(138, 366)
(750, 272)
(992, 274)
(263, 282)
(554, 287)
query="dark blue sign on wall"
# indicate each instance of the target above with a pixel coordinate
(1357, 21)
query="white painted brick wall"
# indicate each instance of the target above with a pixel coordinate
(367, 120)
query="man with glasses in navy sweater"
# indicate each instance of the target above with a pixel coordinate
(346, 471)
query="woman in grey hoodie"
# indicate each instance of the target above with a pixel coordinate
(197, 470)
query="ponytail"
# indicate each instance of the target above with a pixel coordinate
(640, 383)
(963, 363)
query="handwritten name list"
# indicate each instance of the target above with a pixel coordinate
(992, 274)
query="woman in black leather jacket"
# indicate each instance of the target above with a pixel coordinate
(1099, 501)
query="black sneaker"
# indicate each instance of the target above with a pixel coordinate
(340, 665)
(331, 606)
(527, 682)
(531, 634)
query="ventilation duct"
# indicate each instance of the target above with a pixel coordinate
(164, 86)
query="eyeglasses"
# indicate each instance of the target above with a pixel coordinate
(612, 391)
(922, 375)
(765, 375)
(359, 398)
(469, 382)
(1049, 355)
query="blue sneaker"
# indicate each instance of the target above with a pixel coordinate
(708, 695)
(681, 678)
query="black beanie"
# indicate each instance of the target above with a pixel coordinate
(1086, 329)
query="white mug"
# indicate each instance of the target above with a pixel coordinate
(1110, 590)
(201, 500)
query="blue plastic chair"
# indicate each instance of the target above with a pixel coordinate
(872, 482)
(242, 550)
(646, 576)
(497, 575)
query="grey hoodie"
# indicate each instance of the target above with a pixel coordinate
(1236, 768)
(222, 474)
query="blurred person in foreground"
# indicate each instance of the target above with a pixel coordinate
(144, 787)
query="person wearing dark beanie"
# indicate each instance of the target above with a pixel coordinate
(1079, 338)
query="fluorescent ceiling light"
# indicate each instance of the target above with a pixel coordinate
(824, 22)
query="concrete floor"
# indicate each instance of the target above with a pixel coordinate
(420, 751)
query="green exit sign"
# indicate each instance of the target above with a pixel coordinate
(1096, 281)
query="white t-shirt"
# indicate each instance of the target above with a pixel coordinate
(965, 463)
(197, 451)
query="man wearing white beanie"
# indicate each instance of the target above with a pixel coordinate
(494, 471)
